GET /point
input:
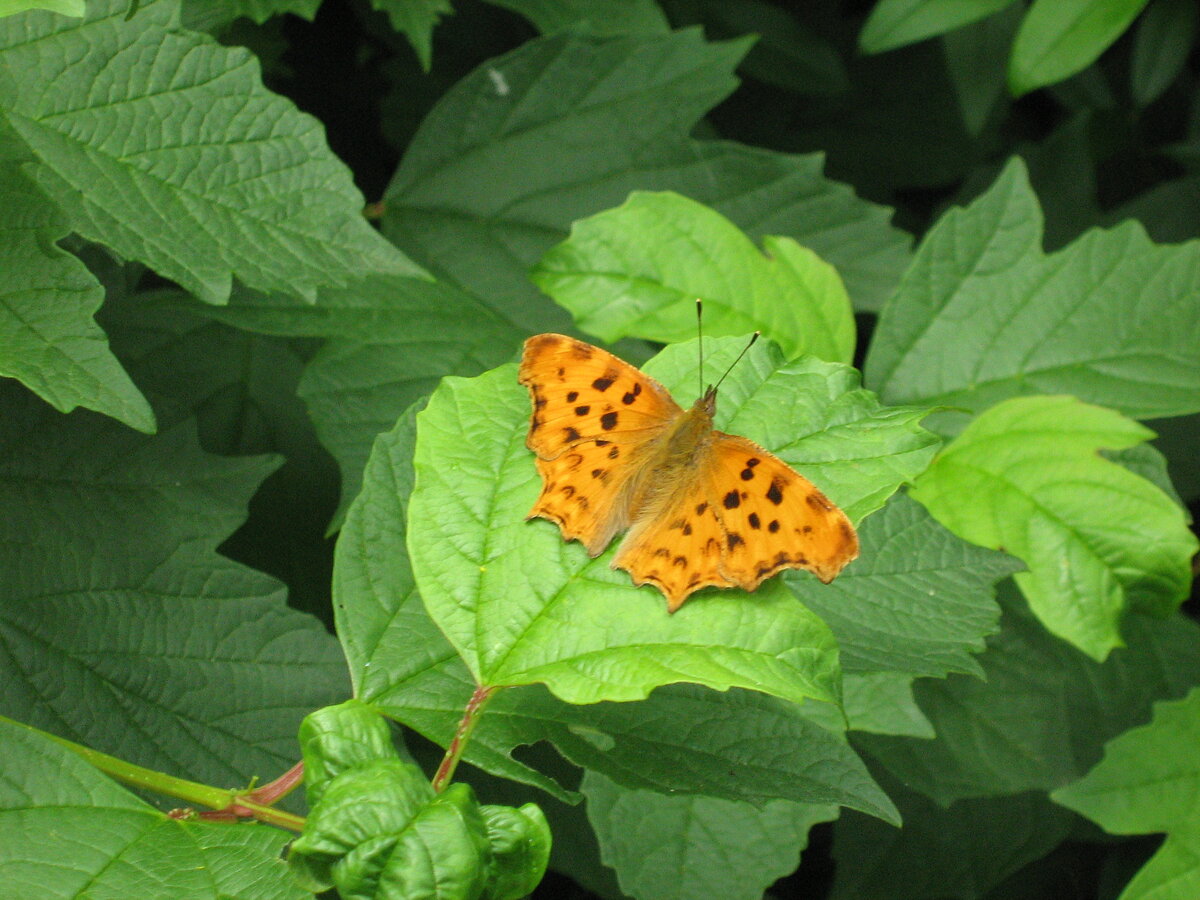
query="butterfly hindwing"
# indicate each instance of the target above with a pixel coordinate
(773, 517)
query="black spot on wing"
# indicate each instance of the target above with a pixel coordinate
(775, 491)
(731, 500)
(608, 421)
(754, 521)
(735, 539)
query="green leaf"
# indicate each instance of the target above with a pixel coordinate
(962, 851)
(415, 19)
(1160, 47)
(48, 338)
(1097, 539)
(1146, 783)
(520, 841)
(752, 747)
(338, 738)
(65, 7)
(522, 606)
(917, 600)
(883, 703)
(377, 829)
(598, 17)
(1061, 37)
(637, 271)
(479, 198)
(976, 58)
(894, 23)
(212, 15)
(788, 53)
(388, 341)
(78, 834)
(1041, 717)
(688, 848)
(983, 314)
(380, 831)
(117, 614)
(114, 109)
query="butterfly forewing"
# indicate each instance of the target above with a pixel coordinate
(595, 420)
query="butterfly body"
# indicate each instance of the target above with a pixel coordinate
(702, 507)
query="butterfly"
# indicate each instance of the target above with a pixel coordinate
(702, 507)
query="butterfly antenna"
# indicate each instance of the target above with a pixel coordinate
(754, 337)
(700, 338)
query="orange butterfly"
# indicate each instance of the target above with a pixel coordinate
(702, 507)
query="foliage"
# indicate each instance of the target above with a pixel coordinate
(253, 444)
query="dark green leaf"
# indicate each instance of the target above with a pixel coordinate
(230, 157)
(687, 848)
(389, 340)
(415, 19)
(976, 57)
(77, 834)
(984, 314)
(211, 15)
(118, 617)
(961, 851)
(479, 198)
(917, 600)
(1042, 716)
(48, 339)
(1160, 47)
(599, 17)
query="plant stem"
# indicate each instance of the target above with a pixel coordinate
(462, 734)
(228, 804)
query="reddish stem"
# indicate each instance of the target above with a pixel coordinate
(462, 734)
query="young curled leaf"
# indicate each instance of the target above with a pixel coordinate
(377, 830)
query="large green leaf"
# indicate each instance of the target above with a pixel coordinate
(637, 270)
(1061, 37)
(66, 831)
(983, 314)
(1148, 782)
(1041, 717)
(48, 338)
(693, 848)
(894, 23)
(165, 146)
(117, 615)
(509, 158)
(521, 606)
(1098, 540)
(737, 745)
(917, 600)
